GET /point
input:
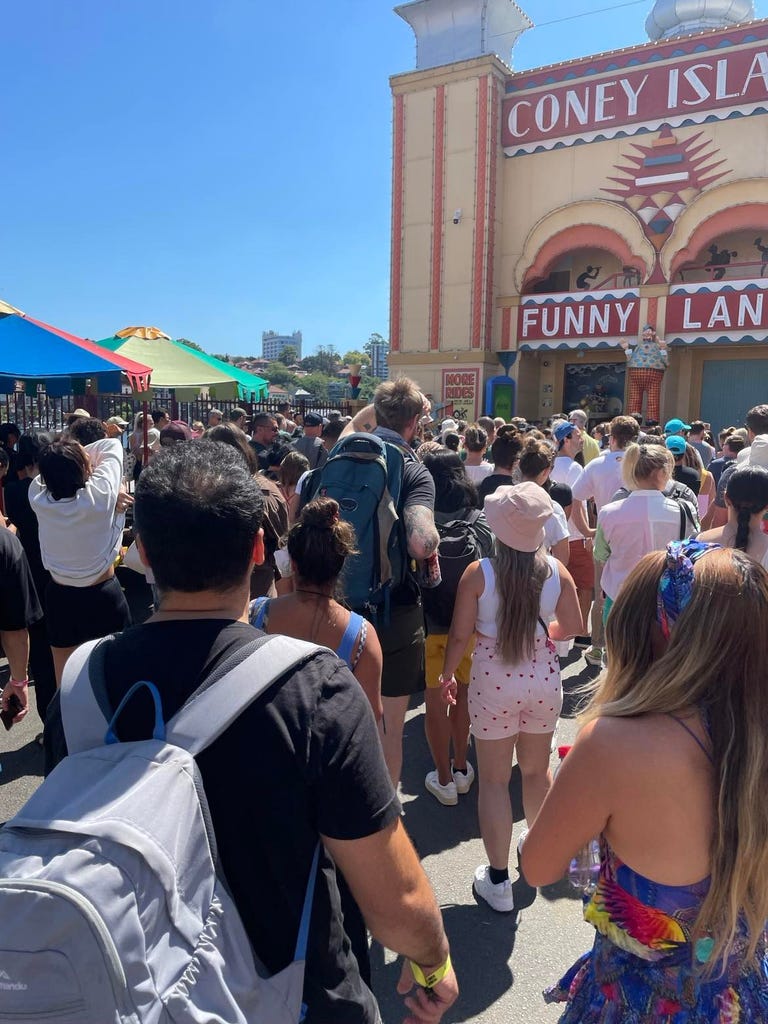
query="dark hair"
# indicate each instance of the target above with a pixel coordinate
(197, 512)
(734, 443)
(238, 414)
(64, 468)
(452, 440)
(624, 430)
(292, 467)
(228, 433)
(159, 414)
(475, 439)
(747, 491)
(505, 450)
(453, 488)
(5, 459)
(261, 419)
(87, 431)
(537, 456)
(6, 429)
(697, 427)
(31, 443)
(319, 542)
(757, 419)
(332, 430)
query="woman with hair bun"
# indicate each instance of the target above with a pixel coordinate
(746, 498)
(319, 544)
(646, 520)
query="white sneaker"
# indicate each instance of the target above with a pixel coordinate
(447, 794)
(463, 780)
(499, 897)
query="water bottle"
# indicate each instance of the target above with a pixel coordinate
(584, 869)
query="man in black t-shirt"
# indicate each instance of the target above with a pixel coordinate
(19, 609)
(302, 763)
(394, 417)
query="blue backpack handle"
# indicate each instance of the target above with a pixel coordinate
(158, 732)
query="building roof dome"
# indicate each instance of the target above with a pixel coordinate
(671, 18)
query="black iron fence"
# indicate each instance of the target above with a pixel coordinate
(41, 412)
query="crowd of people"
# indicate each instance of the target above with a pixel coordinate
(455, 561)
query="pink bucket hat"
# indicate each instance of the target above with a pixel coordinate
(517, 515)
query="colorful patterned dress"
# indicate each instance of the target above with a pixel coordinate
(643, 967)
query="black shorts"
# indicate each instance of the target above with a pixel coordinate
(402, 645)
(76, 614)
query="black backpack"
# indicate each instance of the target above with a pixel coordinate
(459, 547)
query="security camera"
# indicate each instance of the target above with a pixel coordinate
(456, 216)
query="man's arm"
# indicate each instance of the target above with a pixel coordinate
(399, 907)
(363, 421)
(420, 531)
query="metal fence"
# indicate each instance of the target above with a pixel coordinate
(41, 412)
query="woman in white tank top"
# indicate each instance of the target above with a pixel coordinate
(515, 694)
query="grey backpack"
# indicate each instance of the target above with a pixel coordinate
(111, 907)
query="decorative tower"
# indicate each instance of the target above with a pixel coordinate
(672, 18)
(446, 209)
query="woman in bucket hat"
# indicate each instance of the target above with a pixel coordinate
(517, 603)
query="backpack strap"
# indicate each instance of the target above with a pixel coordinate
(351, 633)
(233, 687)
(85, 708)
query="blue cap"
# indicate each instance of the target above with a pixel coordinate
(563, 431)
(675, 426)
(676, 444)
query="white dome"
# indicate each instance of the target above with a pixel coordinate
(671, 18)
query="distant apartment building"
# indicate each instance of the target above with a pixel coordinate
(379, 357)
(272, 344)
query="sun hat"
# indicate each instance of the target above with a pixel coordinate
(82, 412)
(675, 426)
(516, 515)
(118, 421)
(449, 426)
(676, 444)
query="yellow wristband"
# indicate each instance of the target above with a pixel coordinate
(430, 980)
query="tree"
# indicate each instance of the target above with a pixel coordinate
(356, 357)
(223, 356)
(316, 384)
(374, 340)
(278, 373)
(367, 387)
(191, 344)
(288, 356)
(326, 360)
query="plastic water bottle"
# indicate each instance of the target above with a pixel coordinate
(584, 869)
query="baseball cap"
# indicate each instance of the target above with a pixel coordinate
(314, 419)
(118, 421)
(676, 444)
(675, 426)
(563, 430)
(517, 515)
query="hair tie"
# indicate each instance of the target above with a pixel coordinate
(676, 583)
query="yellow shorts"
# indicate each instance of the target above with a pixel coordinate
(435, 656)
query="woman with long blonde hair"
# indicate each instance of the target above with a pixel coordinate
(670, 771)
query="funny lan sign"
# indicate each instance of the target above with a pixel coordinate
(461, 387)
(596, 106)
(731, 311)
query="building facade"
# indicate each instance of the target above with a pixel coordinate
(272, 344)
(380, 359)
(540, 217)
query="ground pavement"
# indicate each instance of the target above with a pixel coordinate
(501, 971)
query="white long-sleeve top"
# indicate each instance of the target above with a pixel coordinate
(80, 537)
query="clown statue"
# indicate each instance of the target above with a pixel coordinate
(646, 364)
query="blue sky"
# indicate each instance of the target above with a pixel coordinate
(218, 167)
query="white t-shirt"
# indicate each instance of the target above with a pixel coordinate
(80, 537)
(478, 473)
(600, 479)
(566, 471)
(556, 527)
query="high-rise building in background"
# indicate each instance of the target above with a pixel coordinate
(272, 344)
(379, 359)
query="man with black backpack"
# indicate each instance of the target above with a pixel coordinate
(393, 538)
(296, 790)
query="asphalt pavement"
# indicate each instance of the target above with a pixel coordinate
(502, 970)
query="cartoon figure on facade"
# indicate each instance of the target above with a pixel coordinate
(763, 250)
(719, 259)
(646, 364)
(590, 274)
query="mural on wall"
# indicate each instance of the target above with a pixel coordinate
(597, 388)
(763, 250)
(658, 181)
(588, 276)
(719, 260)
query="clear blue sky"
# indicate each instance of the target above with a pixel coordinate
(218, 167)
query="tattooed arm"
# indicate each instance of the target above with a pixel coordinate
(365, 420)
(420, 531)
